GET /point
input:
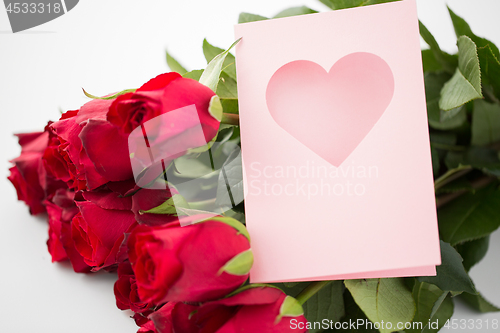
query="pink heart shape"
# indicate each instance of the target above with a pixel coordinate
(331, 113)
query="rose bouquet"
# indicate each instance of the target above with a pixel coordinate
(147, 183)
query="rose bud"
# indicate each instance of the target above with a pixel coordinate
(253, 309)
(125, 289)
(195, 263)
(98, 230)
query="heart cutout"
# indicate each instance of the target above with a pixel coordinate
(331, 113)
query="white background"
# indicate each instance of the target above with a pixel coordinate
(107, 46)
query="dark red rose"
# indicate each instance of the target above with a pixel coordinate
(125, 289)
(147, 327)
(98, 230)
(256, 309)
(162, 318)
(194, 263)
(33, 184)
(61, 209)
(164, 93)
(163, 119)
(93, 150)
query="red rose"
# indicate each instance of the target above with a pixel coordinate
(194, 263)
(93, 150)
(61, 209)
(256, 309)
(125, 289)
(164, 93)
(163, 119)
(28, 176)
(98, 230)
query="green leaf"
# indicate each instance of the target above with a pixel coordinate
(434, 83)
(479, 303)
(109, 97)
(247, 17)
(474, 251)
(451, 275)
(227, 88)
(342, 4)
(426, 297)
(471, 216)
(195, 74)
(485, 123)
(174, 65)
(429, 62)
(462, 28)
(210, 76)
(442, 314)
(230, 185)
(294, 11)
(328, 303)
(169, 206)
(239, 264)
(383, 299)
(352, 314)
(465, 85)
(490, 68)
(289, 308)
(481, 158)
(445, 60)
(229, 65)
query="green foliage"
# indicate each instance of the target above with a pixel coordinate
(216, 65)
(295, 11)
(473, 251)
(485, 123)
(429, 300)
(465, 85)
(440, 59)
(342, 4)
(471, 216)
(479, 303)
(451, 274)
(174, 65)
(247, 17)
(383, 299)
(328, 303)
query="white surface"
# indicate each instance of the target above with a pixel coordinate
(108, 46)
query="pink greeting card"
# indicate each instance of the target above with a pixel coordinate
(335, 146)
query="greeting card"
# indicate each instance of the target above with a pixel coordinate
(335, 146)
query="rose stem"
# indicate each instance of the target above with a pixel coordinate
(310, 290)
(230, 119)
